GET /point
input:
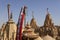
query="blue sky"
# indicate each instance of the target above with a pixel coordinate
(38, 6)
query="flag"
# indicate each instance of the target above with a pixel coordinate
(20, 24)
(22, 20)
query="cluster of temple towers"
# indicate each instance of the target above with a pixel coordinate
(31, 31)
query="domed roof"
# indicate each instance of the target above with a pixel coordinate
(47, 37)
(39, 38)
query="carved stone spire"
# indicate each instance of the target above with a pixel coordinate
(48, 20)
(33, 22)
(32, 14)
(11, 16)
(8, 6)
(47, 11)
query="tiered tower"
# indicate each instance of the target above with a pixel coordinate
(10, 27)
(33, 22)
(48, 20)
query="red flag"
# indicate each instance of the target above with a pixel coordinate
(20, 24)
(22, 20)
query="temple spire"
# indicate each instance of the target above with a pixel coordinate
(32, 14)
(11, 16)
(8, 7)
(48, 19)
(47, 11)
